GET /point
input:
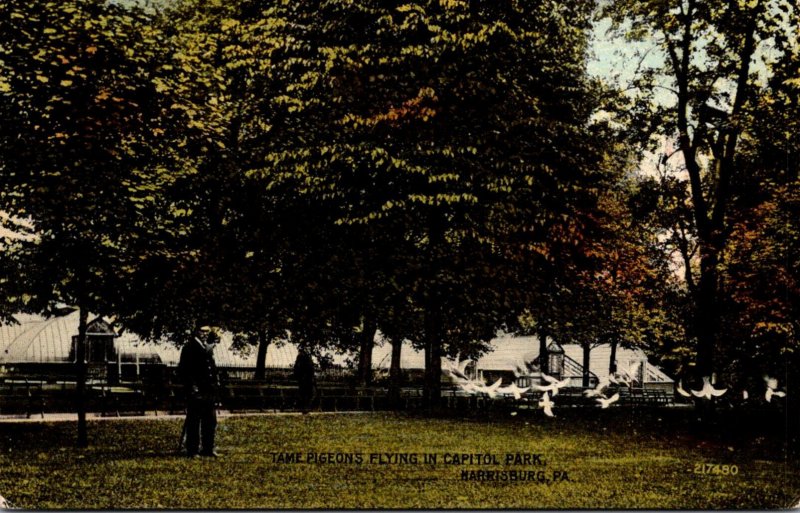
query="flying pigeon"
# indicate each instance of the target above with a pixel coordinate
(708, 391)
(521, 368)
(546, 404)
(772, 385)
(554, 385)
(597, 391)
(593, 392)
(514, 390)
(769, 393)
(681, 391)
(469, 387)
(456, 369)
(491, 390)
(626, 376)
(606, 402)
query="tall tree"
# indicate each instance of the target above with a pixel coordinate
(712, 52)
(762, 262)
(79, 113)
(455, 129)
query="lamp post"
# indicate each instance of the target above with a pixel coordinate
(555, 360)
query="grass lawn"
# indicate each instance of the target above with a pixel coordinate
(613, 459)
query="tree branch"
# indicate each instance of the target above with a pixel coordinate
(727, 163)
(689, 150)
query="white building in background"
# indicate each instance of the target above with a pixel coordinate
(39, 340)
(36, 339)
(511, 351)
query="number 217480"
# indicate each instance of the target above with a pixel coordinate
(715, 469)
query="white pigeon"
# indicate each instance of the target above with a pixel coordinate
(461, 368)
(708, 391)
(769, 393)
(681, 391)
(514, 390)
(542, 388)
(772, 385)
(546, 404)
(491, 390)
(553, 389)
(626, 376)
(554, 385)
(449, 373)
(606, 402)
(597, 391)
(469, 387)
(520, 369)
(771, 382)
(554, 381)
(455, 368)
(593, 392)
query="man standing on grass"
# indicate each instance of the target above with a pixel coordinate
(304, 374)
(198, 372)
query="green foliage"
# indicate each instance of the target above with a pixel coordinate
(81, 159)
(701, 110)
(365, 160)
(446, 144)
(436, 167)
(762, 263)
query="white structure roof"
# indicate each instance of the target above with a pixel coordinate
(510, 350)
(39, 339)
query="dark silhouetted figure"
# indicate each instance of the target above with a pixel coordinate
(198, 372)
(304, 374)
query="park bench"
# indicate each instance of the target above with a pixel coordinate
(278, 398)
(59, 395)
(345, 398)
(572, 397)
(456, 399)
(411, 398)
(257, 395)
(21, 396)
(254, 396)
(638, 397)
(631, 397)
(119, 400)
(656, 397)
(173, 398)
(242, 398)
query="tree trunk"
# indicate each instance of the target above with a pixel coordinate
(365, 353)
(543, 356)
(793, 407)
(80, 385)
(264, 339)
(432, 392)
(395, 376)
(706, 311)
(433, 317)
(612, 360)
(587, 350)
